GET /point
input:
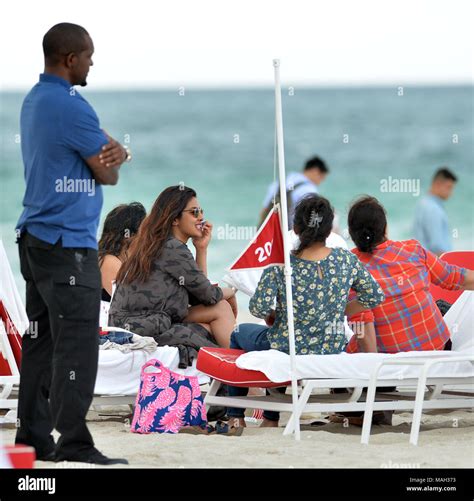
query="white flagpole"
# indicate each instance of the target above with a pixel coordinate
(286, 243)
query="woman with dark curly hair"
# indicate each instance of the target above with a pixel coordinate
(120, 225)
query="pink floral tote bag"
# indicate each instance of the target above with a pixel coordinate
(167, 401)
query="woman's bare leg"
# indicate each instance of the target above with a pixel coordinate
(206, 326)
(218, 316)
(237, 422)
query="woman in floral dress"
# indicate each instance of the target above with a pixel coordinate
(322, 278)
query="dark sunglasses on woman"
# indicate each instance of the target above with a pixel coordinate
(195, 211)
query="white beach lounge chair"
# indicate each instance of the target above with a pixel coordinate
(13, 319)
(460, 321)
(9, 379)
(353, 371)
(118, 376)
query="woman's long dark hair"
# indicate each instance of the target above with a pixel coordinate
(120, 225)
(367, 223)
(313, 221)
(153, 233)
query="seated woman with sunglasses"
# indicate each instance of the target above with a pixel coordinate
(160, 278)
(322, 278)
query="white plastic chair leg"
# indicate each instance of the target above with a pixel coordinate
(418, 409)
(213, 389)
(302, 401)
(5, 392)
(369, 406)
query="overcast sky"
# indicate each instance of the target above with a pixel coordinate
(144, 43)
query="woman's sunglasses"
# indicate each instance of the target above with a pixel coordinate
(195, 211)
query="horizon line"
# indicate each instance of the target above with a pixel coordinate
(256, 86)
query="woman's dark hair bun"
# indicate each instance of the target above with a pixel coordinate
(367, 223)
(312, 221)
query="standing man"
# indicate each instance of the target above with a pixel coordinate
(67, 157)
(298, 185)
(431, 227)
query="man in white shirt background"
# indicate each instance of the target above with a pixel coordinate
(298, 185)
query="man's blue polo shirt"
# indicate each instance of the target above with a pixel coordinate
(59, 129)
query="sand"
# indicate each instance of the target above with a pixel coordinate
(446, 440)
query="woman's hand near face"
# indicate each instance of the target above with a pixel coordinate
(201, 243)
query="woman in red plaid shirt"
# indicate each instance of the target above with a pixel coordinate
(408, 319)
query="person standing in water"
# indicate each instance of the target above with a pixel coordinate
(431, 226)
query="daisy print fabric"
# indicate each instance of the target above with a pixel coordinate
(320, 292)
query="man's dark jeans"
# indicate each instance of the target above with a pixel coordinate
(60, 351)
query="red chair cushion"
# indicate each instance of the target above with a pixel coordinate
(220, 364)
(464, 259)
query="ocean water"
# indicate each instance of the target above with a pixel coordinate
(221, 143)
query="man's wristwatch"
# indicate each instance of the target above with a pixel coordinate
(128, 157)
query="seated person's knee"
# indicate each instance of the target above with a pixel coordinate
(224, 307)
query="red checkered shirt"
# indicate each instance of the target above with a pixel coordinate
(408, 319)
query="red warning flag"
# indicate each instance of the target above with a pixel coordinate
(266, 248)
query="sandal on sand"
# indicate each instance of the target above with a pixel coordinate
(357, 418)
(341, 418)
(198, 430)
(320, 422)
(221, 428)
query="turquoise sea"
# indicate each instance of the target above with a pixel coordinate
(220, 142)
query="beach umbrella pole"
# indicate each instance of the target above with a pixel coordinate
(286, 244)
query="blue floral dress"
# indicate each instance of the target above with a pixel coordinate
(320, 292)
